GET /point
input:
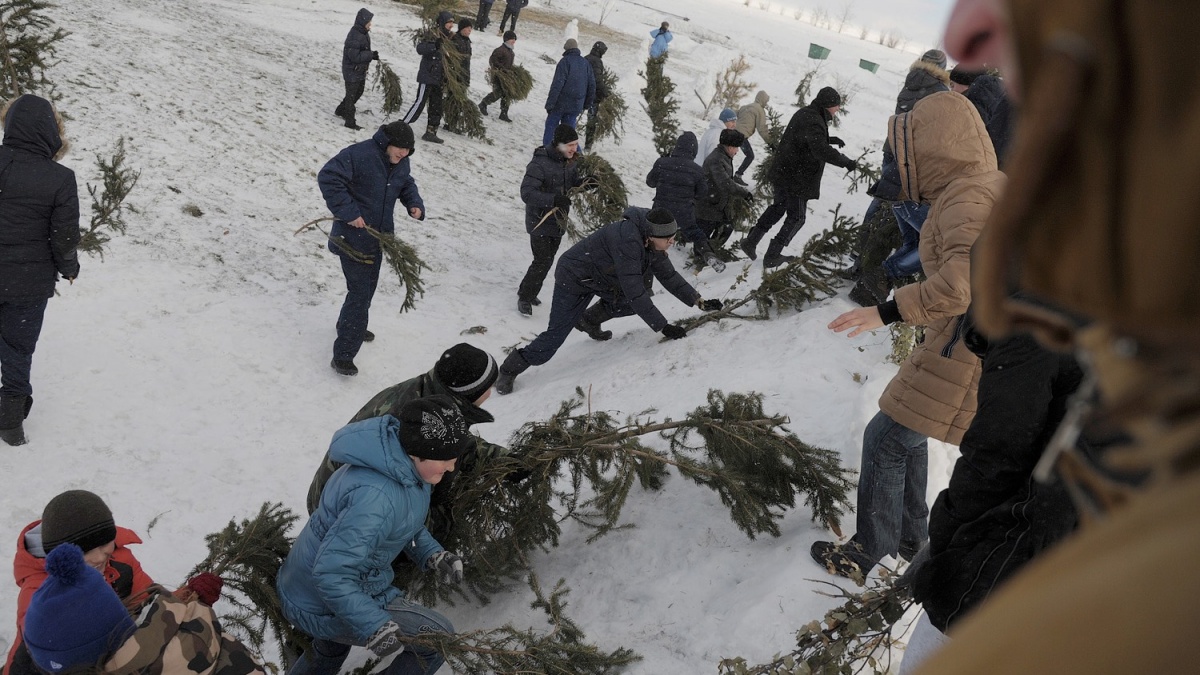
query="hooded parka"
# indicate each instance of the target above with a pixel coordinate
(924, 78)
(752, 117)
(356, 53)
(679, 184)
(945, 159)
(39, 204)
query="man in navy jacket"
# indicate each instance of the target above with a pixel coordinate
(356, 58)
(573, 89)
(360, 186)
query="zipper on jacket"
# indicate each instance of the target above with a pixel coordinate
(958, 332)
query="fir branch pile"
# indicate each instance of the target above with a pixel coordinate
(401, 256)
(610, 114)
(28, 44)
(812, 277)
(108, 201)
(852, 638)
(388, 82)
(660, 105)
(511, 506)
(600, 200)
(762, 172)
(460, 114)
(247, 556)
(516, 82)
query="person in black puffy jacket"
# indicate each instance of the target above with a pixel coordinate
(39, 232)
(548, 177)
(431, 76)
(356, 58)
(678, 184)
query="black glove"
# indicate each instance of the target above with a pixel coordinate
(375, 56)
(386, 640)
(710, 306)
(853, 166)
(448, 565)
(562, 202)
(748, 196)
(834, 140)
(673, 332)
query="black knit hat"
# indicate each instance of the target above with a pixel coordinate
(400, 135)
(78, 517)
(510, 35)
(564, 134)
(732, 138)
(467, 371)
(433, 428)
(964, 76)
(662, 223)
(466, 22)
(827, 98)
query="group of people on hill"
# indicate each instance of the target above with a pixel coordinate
(1065, 251)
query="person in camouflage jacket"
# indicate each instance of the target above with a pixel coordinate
(464, 373)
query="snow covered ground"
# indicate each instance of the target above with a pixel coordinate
(185, 377)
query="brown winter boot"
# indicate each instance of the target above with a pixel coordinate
(431, 136)
(13, 410)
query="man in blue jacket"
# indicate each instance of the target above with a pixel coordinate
(573, 89)
(336, 584)
(356, 58)
(360, 186)
(431, 76)
(611, 263)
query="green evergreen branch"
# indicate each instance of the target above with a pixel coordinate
(460, 114)
(600, 200)
(401, 256)
(660, 105)
(108, 201)
(610, 113)
(516, 83)
(386, 80)
(28, 45)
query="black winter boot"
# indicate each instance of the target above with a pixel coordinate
(344, 367)
(775, 257)
(351, 124)
(591, 320)
(513, 366)
(431, 136)
(13, 410)
(483, 109)
(750, 243)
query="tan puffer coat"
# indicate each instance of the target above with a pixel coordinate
(752, 117)
(946, 159)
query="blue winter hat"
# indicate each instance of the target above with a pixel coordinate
(727, 115)
(75, 618)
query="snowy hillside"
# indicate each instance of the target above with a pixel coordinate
(185, 378)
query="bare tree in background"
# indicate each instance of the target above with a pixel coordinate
(844, 14)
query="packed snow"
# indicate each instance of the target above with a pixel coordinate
(185, 377)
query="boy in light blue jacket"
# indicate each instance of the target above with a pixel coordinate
(336, 584)
(662, 36)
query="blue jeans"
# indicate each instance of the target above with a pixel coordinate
(554, 119)
(891, 510)
(570, 302)
(20, 326)
(748, 151)
(325, 657)
(910, 217)
(361, 280)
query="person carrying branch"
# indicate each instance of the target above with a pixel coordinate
(356, 58)
(431, 77)
(611, 263)
(501, 60)
(336, 583)
(361, 186)
(548, 177)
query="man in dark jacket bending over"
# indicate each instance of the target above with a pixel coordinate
(611, 263)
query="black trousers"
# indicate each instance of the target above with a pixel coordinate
(354, 91)
(496, 95)
(485, 15)
(748, 151)
(509, 13)
(20, 326)
(432, 93)
(543, 249)
(795, 209)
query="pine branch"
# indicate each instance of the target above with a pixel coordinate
(660, 105)
(610, 114)
(600, 200)
(810, 278)
(108, 201)
(765, 166)
(508, 650)
(388, 82)
(247, 557)
(28, 45)
(516, 82)
(509, 506)
(401, 256)
(865, 175)
(460, 114)
(852, 637)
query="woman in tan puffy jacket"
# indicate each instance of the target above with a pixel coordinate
(946, 160)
